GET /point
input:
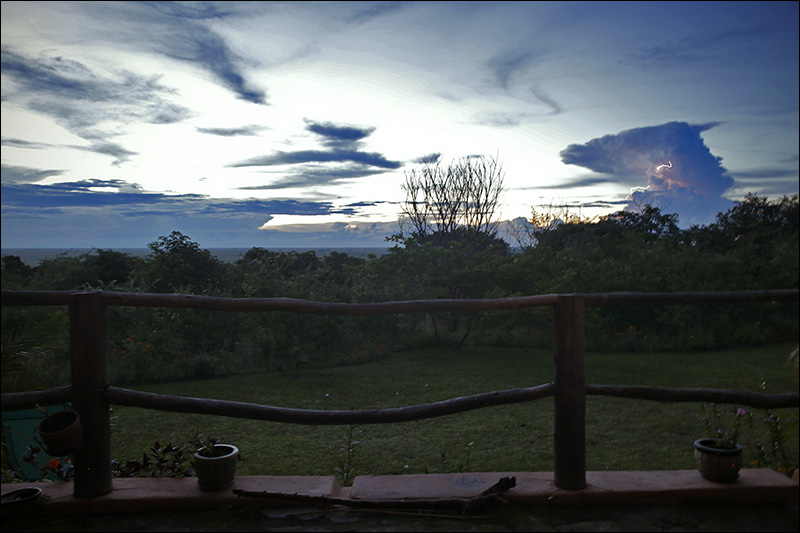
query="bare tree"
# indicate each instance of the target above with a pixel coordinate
(460, 198)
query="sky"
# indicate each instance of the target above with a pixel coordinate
(293, 124)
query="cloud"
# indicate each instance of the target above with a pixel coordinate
(122, 194)
(543, 97)
(193, 10)
(115, 213)
(668, 166)
(119, 152)
(586, 181)
(505, 66)
(233, 132)
(179, 32)
(428, 158)
(20, 143)
(343, 142)
(315, 177)
(88, 104)
(691, 49)
(319, 156)
(18, 174)
(336, 136)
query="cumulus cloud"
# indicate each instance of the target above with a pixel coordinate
(668, 166)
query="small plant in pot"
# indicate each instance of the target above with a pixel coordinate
(719, 457)
(215, 464)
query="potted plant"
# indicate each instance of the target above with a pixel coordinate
(215, 464)
(61, 432)
(719, 457)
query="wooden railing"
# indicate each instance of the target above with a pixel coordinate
(91, 395)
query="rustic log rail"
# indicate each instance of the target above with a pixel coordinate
(92, 395)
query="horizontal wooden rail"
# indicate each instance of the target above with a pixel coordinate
(307, 306)
(36, 297)
(688, 298)
(17, 401)
(128, 299)
(178, 404)
(27, 400)
(669, 395)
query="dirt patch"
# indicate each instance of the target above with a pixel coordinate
(495, 517)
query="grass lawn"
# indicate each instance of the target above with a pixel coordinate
(621, 434)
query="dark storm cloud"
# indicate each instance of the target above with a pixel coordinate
(17, 174)
(233, 132)
(668, 166)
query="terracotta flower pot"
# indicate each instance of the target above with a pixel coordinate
(216, 473)
(61, 432)
(720, 464)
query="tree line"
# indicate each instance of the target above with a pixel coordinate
(752, 246)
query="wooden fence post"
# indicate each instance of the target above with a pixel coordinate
(89, 352)
(570, 394)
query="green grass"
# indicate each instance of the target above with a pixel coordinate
(621, 434)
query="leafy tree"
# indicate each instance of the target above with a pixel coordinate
(15, 273)
(179, 264)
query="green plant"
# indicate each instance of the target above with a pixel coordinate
(159, 461)
(346, 472)
(714, 418)
(774, 451)
(207, 446)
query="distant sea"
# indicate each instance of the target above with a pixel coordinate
(33, 256)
